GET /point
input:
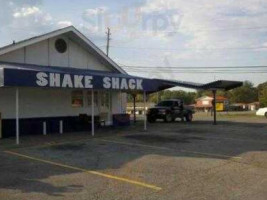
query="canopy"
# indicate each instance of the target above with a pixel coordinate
(26, 75)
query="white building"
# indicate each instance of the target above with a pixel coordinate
(66, 48)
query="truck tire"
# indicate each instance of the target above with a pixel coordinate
(168, 118)
(189, 117)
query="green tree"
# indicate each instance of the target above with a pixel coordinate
(244, 94)
(262, 88)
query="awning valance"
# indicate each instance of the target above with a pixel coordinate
(26, 75)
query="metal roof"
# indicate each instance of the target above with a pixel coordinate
(151, 85)
(222, 85)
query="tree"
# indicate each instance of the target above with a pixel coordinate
(262, 88)
(244, 94)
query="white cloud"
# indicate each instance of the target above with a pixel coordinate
(95, 11)
(198, 17)
(62, 24)
(26, 11)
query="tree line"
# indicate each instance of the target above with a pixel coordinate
(244, 94)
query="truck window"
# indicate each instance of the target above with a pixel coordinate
(165, 103)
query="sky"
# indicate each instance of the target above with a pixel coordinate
(172, 39)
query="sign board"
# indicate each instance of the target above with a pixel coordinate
(31, 78)
(219, 106)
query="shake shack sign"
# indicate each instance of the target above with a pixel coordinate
(56, 78)
(44, 79)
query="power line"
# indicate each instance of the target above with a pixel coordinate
(209, 30)
(179, 49)
(189, 67)
(202, 72)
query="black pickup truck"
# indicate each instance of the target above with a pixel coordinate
(169, 110)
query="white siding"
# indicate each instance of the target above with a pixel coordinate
(14, 56)
(119, 102)
(44, 53)
(37, 53)
(37, 102)
(55, 58)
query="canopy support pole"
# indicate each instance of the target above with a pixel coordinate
(145, 121)
(134, 107)
(17, 116)
(214, 108)
(92, 114)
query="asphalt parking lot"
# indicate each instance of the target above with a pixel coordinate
(169, 161)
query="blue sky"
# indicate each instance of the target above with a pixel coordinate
(156, 33)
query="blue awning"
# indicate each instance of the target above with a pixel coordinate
(26, 75)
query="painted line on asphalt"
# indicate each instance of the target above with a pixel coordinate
(224, 138)
(169, 149)
(126, 180)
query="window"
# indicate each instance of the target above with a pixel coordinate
(89, 98)
(77, 98)
(165, 103)
(105, 99)
(61, 45)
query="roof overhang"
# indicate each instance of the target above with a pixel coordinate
(222, 85)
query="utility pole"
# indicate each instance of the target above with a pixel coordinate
(108, 39)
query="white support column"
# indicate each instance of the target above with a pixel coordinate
(17, 115)
(44, 128)
(145, 123)
(93, 113)
(61, 126)
(120, 102)
(109, 108)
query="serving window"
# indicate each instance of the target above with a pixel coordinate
(77, 98)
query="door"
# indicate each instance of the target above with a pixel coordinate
(177, 108)
(105, 106)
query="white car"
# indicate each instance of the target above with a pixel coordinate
(262, 112)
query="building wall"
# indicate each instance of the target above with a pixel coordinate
(44, 53)
(49, 103)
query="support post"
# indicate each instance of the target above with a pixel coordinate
(134, 107)
(44, 128)
(17, 116)
(214, 108)
(61, 126)
(93, 113)
(120, 102)
(109, 108)
(145, 123)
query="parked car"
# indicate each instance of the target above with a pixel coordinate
(262, 112)
(169, 110)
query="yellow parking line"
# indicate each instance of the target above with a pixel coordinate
(87, 171)
(169, 149)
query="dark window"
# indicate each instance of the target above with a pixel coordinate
(176, 104)
(166, 103)
(61, 45)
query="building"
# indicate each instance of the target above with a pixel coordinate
(54, 54)
(139, 108)
(205, 103)
(254, 106)
(61, 82)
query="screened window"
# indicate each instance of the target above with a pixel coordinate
(105, 99)
(77, 98)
